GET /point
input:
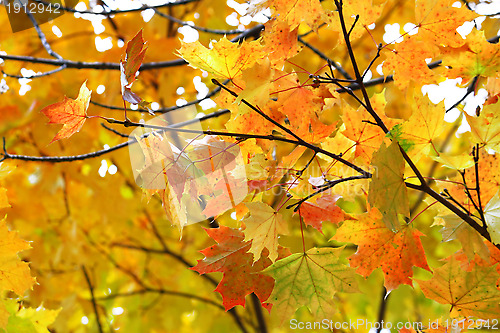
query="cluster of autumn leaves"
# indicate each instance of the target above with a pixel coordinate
(325, 115)
(383, 241)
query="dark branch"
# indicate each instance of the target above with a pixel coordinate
(258, 313)
(163, 110)
(94, 304)
(324, 57)
(162, 292)
(115, 12)
(195, 27)
(326, 187)
(470, 90)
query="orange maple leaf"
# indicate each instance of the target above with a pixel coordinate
(324, 209)
(395, 252)
(71, 113)
(134, 56)
(241, 275)
(225, 59)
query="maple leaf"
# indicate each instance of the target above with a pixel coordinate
(492, 217)
(241, 273)
(437, 21)
(456, 228)
(324, 209)
(395, 252)
(310, 279)
(366, 136)
(477, 57)
(485, 129)
(257, 83)
(489, 181)
(173, 207)
(225, 59)
(134, 55)
(387, 189)
(302, 107)
(294, 12)
(424, 126)
(263, 227)
(71, 113)
(14, 273)
(280, 42)
(457, 162)
(473, 293)
(28, 320)
(407, 61)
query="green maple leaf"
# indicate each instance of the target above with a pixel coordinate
(387, 189)
(309, 279)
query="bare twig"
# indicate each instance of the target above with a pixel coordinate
(324, 57)
(41, 35)
(195, 27)
(124, 11)
(327, 186)
(162, 292)
(94, 304)
(470, 90)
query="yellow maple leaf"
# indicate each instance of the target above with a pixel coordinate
(485, 129)
(14, 273)
(225, 59)
(425, 124)
(492, 217)
(407, 61)
(438, 21)
(295, 12)
(263, 227)
(477, 58)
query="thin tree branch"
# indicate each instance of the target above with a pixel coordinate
(163, 110)
(252, 32)
(94, 304)
(478, 190)
(258, 313)
(62, 159)
(195, 27)
(464, 216)
(41, 36)
(327, 186)
(379, 48)
(384, 297)
(324, 57)
(124, 11)
(448, 196)
(162, 292)
(112, 130)
(470, 90)
(467, 191)
(92, 65)
(299, 141)
(35, 76)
